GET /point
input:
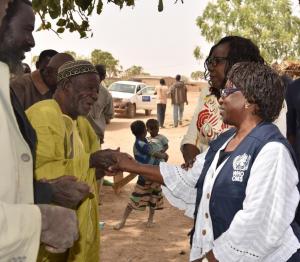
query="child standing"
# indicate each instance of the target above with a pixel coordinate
(146, 193)
(159, 143)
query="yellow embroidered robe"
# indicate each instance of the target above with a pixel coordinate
(64, 147)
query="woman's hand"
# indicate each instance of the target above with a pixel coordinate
(161, 155)
(166, 157)
(123, 162)
(188, 164)
(102, 159)
(189, 152)
(211, 257)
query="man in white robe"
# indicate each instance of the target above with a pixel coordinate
(23, 225)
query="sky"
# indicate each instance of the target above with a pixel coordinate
(161, 42)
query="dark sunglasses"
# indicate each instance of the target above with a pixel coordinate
(228, 91)
(215, 60)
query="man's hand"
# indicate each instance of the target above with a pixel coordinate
(103, 159)
(124, 162)
(68, 192)
(100, 173)
(59, 228)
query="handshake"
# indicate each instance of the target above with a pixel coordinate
(59, 221)
(111, 161)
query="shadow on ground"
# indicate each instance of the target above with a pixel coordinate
(167, 241)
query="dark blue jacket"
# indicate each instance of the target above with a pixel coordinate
(229, 189)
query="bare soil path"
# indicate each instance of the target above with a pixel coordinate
(167, 241)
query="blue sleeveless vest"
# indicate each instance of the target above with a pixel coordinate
(229, 189)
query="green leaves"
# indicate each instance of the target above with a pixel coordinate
(61, 22)
(197, 53)
(269, 23)
(36, 4)
(130, 2)
(60, 30)
(160, 5)
(73, 15)
(102, 57)
(134, 71)
(54, 8)
(84, 4)
(99, 7)
(197, 75)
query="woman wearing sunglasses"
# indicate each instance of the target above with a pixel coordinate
(243, 191)
(207, 123)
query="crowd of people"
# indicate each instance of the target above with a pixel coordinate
(243, 190)
(239, 181)
(49, 208)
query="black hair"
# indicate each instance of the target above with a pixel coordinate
(101, 69)
(26, 68)
(178, 77)
(11, 11)
(240, 50)
(138, 127)
(46, 53)
(286, 80)
(162, 82)
(260, 85)
(10, 57)
(152, 123)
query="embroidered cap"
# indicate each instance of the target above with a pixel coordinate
(74, 68)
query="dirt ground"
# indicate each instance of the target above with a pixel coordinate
(167, 240)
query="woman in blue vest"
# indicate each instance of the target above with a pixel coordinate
(243, 191)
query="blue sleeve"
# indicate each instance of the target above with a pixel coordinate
(143, 148)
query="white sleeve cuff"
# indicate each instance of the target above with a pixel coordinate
(179, 189)
(180, 184)
(225, 251)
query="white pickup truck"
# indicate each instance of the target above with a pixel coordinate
(130, 96)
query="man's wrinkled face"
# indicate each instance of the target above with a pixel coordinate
(17, 38)
(84, 94)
